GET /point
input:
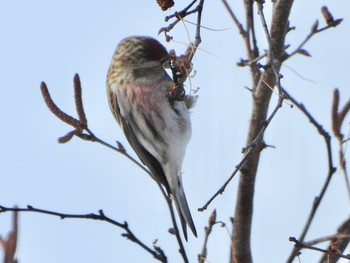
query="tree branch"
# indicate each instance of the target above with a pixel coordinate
(340, 241)
(202, 257)
(331, 171)
(248, 36)
(157, 253)
(248, 151)
(314, 30)
(240, 250)
(330, 252)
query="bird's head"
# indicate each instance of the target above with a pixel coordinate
(141, 51)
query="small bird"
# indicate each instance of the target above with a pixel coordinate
(157, 127)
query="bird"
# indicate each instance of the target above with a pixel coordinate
(157, 127)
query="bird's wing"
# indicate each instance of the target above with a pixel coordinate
(147, 159)
(145, 156)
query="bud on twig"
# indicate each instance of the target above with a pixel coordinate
(79, 101)
(57, 111)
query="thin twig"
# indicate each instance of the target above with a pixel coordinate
(197, 39)
(340, 241)
(331, 171)
(178, 15)
(90, 136)
(181, 66)
(315, 30)
(327, 238)
(247, 152)
(93, 216)
(271, 52)
(323, 133)
(234, 18)
(223, 187)
(182, 250)
(251, 26)
(300, 245)
(251, 48)
(250, 148)
(212, 221)
(265, 27)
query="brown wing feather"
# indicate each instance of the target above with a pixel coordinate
(146, 158)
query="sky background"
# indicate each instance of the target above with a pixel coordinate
(52, 40)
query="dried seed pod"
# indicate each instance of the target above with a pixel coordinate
(165, 4)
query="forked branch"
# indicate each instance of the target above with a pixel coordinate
(179, 16)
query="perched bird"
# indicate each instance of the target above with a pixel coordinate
(157, 128)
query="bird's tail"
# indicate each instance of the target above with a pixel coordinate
(183, 210)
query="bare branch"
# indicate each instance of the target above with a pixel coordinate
(330, 252)
(260, 5)
(331, 171)
(341, 240)
(92, 216)
(175, 231)
(235, 19)
(254, 146)
(333, 238)
(197, 39)
(314, 30)
(212, 220)
(249, 37)
(178, 15)
(262, 91)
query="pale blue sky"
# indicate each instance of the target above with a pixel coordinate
(51, 41)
